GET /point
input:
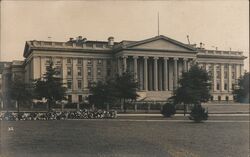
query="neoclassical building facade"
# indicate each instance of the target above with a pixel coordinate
(157, 64)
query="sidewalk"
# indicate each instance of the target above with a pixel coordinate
(176, 115)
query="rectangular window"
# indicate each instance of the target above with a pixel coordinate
(79, 84)
(225, 74)
(89, 61)
(218, 74)
(108, 62)
(79, 61)
(58, 70)
(79, 98)
(69, 84)
(99, 61)
(225, 86)
(69, 71)
(69, 60)
(233, 75)
(89, 71)
(108, 72)
(79, 71)
(69, 98)
(218, 86)
(48, 60)
(89, 83)
(99, 72)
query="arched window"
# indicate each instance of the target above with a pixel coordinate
(227, 98)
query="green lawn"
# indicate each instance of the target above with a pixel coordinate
(121, 138)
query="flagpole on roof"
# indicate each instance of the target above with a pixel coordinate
(158, 22)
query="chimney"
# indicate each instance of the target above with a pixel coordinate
(200, 44)
(111, 41)
(79, 37)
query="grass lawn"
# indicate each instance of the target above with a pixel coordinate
(121, 138)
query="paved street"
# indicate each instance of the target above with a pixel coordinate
(223, 137)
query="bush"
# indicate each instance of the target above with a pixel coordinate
(198, 114)
(168, 109)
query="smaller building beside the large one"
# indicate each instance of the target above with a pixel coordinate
(157, 63)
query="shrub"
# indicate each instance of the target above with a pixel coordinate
(168, 109)
(198, 114)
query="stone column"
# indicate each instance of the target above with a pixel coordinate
(150, 75)
(118, 66)
(160, 75)
(222, 77)
(155, 73)
(145, 73)
(229, 77)
(135, 67)
(185, 64)
(214, 77)
(85, 74)
(175, 73)
(124, 63)
(241, 69)
(165, 74)
(188, 64)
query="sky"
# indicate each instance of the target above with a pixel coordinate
(223, 24)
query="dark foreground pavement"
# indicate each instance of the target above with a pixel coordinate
(121, 137)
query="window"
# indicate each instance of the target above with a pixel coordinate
(219, 98)
(58, 70)
(79, 98)
(211, 98)
(225, 74)
(69, 98)
(218, 86)
(69, 60)
(79, 71)
(218, 74)
(58, 61)
(89, 71)
(89, 61)
(79, 61)
(69, 71)
(47, 67)
(227, 98)
(108, 62)
(99, 72)
(89, 83)
(108, 72)
(99, 61)
(69, 84)
(233, 75)
(225, 86)
(79, 84)
(48, 60)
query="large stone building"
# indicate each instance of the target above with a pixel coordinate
(156, 62)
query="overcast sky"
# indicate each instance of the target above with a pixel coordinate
(223, 24)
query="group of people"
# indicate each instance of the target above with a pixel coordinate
(56, 115)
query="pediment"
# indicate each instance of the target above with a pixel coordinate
(161, 43)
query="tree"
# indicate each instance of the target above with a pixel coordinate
(194, 87)
(20, 92)
(102, 93)
(241, 94)
(125, 88)
(50, 87)
(121, 87)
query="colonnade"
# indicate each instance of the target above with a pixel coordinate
(154, 73)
